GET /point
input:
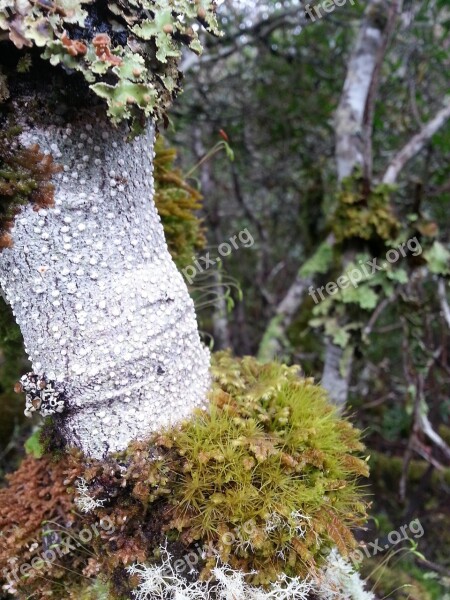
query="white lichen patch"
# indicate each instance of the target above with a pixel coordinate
(335, 581)
(103, 310)
(339, 581)
(84, 501)
(162, 582)
(296, 525)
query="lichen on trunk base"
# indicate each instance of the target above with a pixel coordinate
(103, 310)
(261, 486)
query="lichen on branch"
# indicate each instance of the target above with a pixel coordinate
(128, 52)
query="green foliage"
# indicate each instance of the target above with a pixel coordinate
(134, 66)
(320, 262)
(363, 213)
(33, 444)
(438, 259)
(402, 581)
(177, 203)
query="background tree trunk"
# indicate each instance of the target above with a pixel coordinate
(102, 308)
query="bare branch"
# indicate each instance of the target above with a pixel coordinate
(416, 144)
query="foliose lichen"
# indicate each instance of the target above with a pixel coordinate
(128, 52)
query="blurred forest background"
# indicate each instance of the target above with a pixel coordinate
(260, 135)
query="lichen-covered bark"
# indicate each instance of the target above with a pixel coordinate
(102, 308)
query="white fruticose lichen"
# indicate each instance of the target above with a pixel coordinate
(297, 524)
(339, 581)
(103, 310)
(84, 501)
(335, 581)
(162, 582)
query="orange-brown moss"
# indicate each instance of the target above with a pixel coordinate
(25, 177)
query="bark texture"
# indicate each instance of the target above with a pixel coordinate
(353, 102)
(416, 144)
(102, 308)
(351, 142)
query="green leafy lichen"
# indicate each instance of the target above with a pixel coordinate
(132, 64)
(438, 259)
(320, 262)
(364, 214)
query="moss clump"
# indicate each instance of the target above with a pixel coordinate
(362, 213)
(177, 203)
(266, 480)
(25, 177)
(36, 494)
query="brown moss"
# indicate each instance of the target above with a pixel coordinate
(25, 177)
(177, 203)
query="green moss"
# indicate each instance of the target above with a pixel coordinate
(270, 447)
(267, 479)
(177, 203)
(363, 213)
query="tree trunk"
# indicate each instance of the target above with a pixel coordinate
(353, 146)
(103, 310)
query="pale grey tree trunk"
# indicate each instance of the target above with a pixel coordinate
(102, 308)
(352, 129)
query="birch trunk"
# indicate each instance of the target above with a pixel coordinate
(102, 308)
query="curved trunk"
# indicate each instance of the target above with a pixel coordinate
(103, 310)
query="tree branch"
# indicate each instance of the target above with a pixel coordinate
(416, 144)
